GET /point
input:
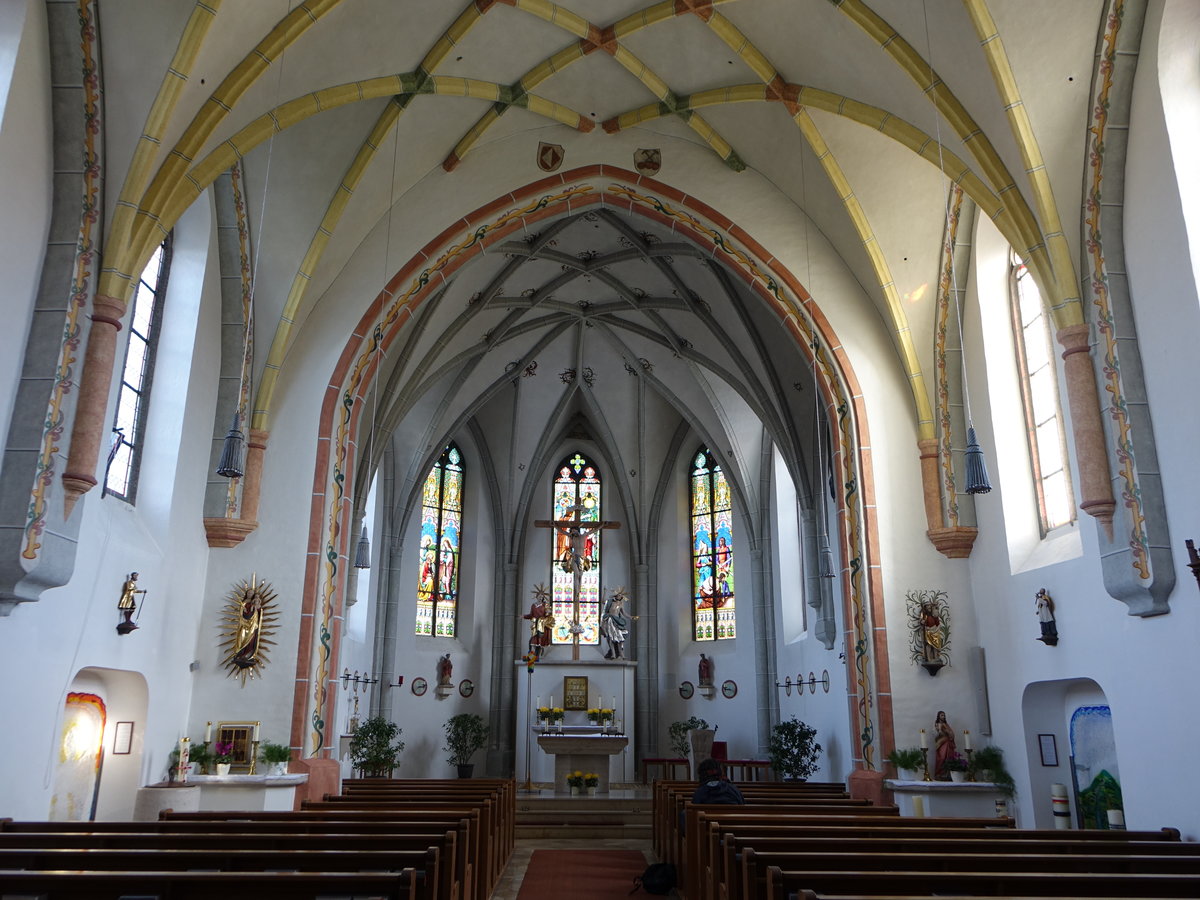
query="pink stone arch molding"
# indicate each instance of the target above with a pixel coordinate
(329, 541)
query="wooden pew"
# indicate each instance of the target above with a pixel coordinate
(782, 884)
(465, 819)
(752, 876)
(725, 872)
(82, 885)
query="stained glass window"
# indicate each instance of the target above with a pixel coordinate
(712, 551)
(441, 538)
(576, 495)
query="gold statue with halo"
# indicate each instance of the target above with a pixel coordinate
(249, 622)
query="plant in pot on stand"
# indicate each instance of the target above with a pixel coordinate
(678, 732)
(372, 750)
(793, 750)
(276, 756)
(465, 733)
(987, 764)
(223, 756)
(957, 767)
(908, 762)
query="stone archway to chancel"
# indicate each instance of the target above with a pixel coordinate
(343, 417)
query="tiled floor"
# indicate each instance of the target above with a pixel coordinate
(510, 882)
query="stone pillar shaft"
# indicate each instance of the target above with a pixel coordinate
(89, 428)
(1095, 486)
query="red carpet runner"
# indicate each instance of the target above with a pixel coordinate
(581, 874)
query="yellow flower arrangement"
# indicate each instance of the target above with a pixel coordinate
(576, 779)
(591, 779)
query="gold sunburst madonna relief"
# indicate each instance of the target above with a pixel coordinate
(247, 624)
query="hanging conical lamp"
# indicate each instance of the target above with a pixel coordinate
(362, 555)
(230, 465)
(977, 477)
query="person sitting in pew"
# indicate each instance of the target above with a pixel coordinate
(713, 786)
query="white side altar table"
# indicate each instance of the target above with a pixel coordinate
(249, 792)
(582, 749)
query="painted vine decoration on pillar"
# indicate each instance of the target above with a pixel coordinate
(929, 624)
(248, 624)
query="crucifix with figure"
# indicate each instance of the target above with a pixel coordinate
(575, 533)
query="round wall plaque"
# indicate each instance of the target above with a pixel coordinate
(419, 686)
(466, 687)
(729, 689)
(686, 690)
(825, 680)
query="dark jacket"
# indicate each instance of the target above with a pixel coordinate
(717, 792)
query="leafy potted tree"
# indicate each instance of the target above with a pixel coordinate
(793, 749)
(372, 750)
(465, 733)
(200, 757)
(908, 762)
(276, 756)
(987, 764)
(678, 732)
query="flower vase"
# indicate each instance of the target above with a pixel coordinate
(223, 768)
(958, 777)
(591, 792)
(574, 791)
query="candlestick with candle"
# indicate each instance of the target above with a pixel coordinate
(925, 754)
(969, 751)
(208, 732)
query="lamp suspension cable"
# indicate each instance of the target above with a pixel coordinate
(976, 464)
(362, 553)
(230, 464)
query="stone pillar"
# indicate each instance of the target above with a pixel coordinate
(90, 424)
(1095, 486)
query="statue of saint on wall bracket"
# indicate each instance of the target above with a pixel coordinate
(248, 623)
(929, 621)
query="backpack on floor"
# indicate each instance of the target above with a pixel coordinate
(659, 878)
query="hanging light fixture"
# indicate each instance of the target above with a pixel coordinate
(230, 465)
(976, 464)
(362, 555)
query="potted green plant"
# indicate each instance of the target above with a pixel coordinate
(465, 733)
(200, 757)
(987, 764)
(678, 732)
(223, 756)
(793, 749)
(374, 750)
(956, 766)
(908, 762)
(276, 756)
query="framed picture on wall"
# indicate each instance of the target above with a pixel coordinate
(686, 689)
(1049, 747)
(122, 739)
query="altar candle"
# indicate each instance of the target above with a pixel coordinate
(967, 738)
(552, 701)
(254, 734)
(208, 732)
(924, 740)
(539, 702)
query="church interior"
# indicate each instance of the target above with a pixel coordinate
(744, 360)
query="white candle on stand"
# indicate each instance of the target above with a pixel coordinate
(539, 702)
(552, 701)
(967, 737)
(924, 740)
(254, 733)
(208, 732)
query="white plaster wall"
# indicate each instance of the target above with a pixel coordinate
(25, 148)
(74, 627)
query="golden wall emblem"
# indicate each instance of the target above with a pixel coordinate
(247, 623)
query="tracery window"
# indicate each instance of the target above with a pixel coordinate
(712, 551)
(1039, 394)
(133, 399)
(576, 495)
(441, 539)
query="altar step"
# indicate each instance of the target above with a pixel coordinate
(552, 815)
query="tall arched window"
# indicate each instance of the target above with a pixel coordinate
(133, 400)
(441, 537)
(576, 496)
(1039, 393)
(712, 551)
